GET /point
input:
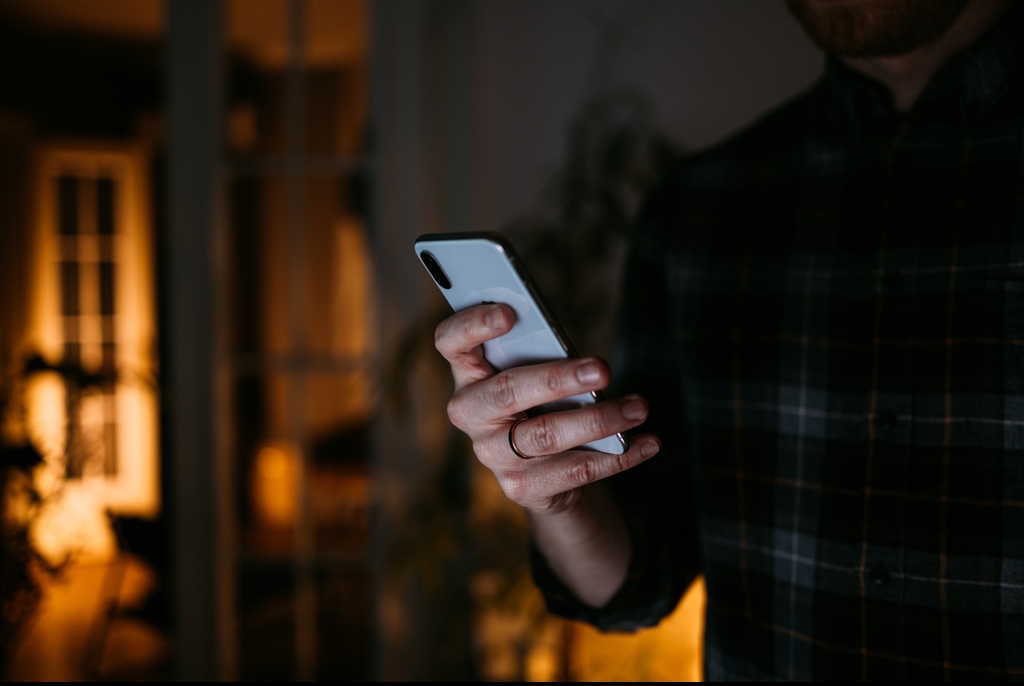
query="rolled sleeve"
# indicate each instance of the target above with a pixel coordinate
(656, 497)
(651, 590)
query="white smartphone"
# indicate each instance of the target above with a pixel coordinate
(476, 268)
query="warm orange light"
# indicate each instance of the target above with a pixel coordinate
(115, 315)
(673, 651)
(273, 486)
(335, 31)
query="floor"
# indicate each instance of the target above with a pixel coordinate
(84, 629)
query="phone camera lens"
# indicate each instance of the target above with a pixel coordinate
(435, 270)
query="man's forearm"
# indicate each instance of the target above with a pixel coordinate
(587, 545)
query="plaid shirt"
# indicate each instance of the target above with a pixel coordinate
(827, 315)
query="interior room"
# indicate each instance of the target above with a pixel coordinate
(225, 448)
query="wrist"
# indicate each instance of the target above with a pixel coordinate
(586, 544)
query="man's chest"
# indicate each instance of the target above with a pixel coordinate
(858, 335)
(890, 274)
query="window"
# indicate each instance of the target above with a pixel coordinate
(94, 409)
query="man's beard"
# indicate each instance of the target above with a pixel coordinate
(875, 28)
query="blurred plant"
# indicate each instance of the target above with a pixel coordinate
(78, 383)
(20, 561)
(575, 239)
(19, 589)
(460, 538)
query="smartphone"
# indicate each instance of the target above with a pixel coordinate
(476, 268)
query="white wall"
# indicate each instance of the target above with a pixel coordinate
(709, 67)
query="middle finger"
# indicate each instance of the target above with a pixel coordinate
(517, 390)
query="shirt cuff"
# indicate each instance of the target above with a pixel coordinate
(651, 590)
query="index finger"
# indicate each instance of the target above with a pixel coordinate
(459, 338)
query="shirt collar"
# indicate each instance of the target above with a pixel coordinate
(969, 86)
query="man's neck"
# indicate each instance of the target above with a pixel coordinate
(907, 75)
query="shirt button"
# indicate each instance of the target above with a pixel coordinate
(879, 576)
(887, 420)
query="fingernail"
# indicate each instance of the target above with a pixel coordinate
(634, 409)
(588, 373)
(650, 448)
(495, 318)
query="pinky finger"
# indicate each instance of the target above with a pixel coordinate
(576, 468)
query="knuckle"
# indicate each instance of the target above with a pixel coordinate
(622, 462)
(504, 391)
(553, 379)
(514, 488)
(543, 434)
(455, 411)
(441, 337)
(482, 452)
(582, 471)
(597, 423)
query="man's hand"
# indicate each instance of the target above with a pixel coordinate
(486, 404)
(576, 523)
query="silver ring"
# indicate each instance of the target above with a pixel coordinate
(512, 441)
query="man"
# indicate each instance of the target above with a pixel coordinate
(825, 315)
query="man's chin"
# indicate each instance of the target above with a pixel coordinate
(875, 28)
